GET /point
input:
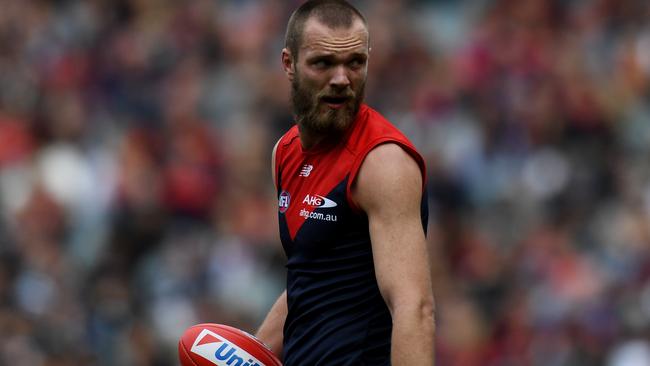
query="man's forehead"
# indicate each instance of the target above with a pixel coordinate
(319, 37)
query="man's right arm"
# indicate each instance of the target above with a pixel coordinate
(271, 330)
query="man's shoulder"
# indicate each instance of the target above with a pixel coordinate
(374, 131)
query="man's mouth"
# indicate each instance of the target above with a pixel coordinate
(335, 101)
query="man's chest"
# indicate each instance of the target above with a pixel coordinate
(312, 202)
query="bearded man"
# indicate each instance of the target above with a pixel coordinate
(352, 210)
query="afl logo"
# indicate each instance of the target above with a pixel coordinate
(283, 201)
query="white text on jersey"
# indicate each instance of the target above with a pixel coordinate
(318, 201)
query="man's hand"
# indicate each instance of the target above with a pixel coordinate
(271, 330)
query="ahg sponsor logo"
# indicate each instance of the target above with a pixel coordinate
(318, 201)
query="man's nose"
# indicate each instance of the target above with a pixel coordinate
(339, 78)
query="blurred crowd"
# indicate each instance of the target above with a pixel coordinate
(136, 196)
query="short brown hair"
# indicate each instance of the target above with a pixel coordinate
(332, 13)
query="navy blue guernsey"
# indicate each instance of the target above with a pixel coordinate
(336, 314)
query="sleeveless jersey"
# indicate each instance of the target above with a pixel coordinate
(336, 314)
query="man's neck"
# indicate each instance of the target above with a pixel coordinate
(310, 139)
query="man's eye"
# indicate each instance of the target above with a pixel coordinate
(321, 64)
(357, 62)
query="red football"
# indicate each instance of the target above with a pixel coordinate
(217, 344)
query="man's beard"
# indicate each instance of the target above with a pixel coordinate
(307, 107)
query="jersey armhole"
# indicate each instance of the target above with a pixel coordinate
(356, 165)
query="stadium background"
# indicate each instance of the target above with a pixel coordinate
(136, 198)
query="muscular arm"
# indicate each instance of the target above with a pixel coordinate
(389, 189)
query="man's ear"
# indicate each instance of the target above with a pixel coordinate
(287, 63)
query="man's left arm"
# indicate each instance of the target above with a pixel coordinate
(389, 189)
